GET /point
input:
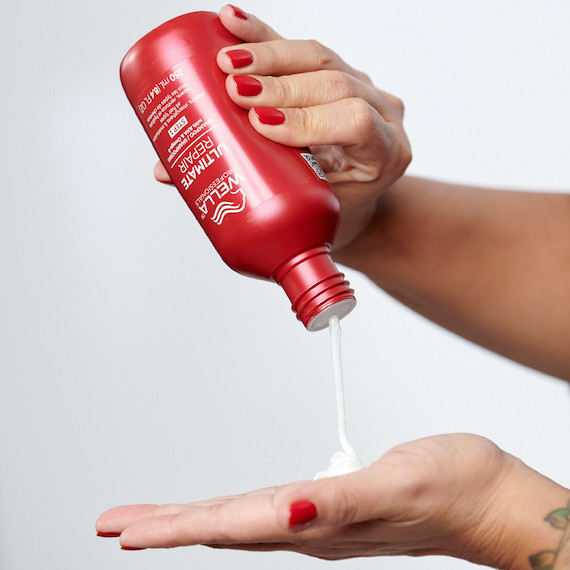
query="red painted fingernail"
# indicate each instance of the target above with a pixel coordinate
(240, 57)
(109, 534)
(239, 13)
(247, 86)
(131, 548)
(303, 513)
(269, 116)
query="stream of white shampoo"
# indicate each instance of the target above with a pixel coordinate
(345, 461)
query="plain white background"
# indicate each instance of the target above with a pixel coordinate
(136, 367)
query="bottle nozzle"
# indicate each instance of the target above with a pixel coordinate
(316, 288)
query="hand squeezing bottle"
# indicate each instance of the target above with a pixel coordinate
(268, 209)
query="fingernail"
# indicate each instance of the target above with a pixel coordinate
(303, 513)
(247, 86)
(109, 534)
(131, 548)
(239, 13)
(269, 116)
(240, 57)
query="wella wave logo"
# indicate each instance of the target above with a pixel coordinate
(225, 208)
(222, 197)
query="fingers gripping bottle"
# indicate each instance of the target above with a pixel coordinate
(268, 209)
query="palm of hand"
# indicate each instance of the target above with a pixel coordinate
(419, 498)
(423, 497)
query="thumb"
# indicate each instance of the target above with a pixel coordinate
(337, 501)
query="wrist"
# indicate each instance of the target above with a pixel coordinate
(360, 217)
(376, 231)
(522, 526)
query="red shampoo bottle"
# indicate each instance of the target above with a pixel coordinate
(268, 209)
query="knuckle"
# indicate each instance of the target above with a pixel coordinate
(303, 119)
(398, 105)
(306, 123)
(222, 531)
(282, 90)
(341, 84)
(323, 55)
(343, 508)
(412, 486)
(176, 530)
(413, 475)
(267, 57)
(364, 77)
(362, 115)
(270, 56)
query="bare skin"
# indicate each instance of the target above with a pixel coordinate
(456, 495)
(353, 128)
(489, 265)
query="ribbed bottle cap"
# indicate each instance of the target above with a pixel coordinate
(316, 288)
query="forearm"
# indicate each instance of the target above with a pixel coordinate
(492, 266)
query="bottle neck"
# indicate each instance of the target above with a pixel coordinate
(316, 288)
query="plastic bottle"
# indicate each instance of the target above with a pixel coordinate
(268, 209)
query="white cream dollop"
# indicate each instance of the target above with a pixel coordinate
(341, 464)
(345, 461)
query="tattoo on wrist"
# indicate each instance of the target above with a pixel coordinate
(558, 559)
